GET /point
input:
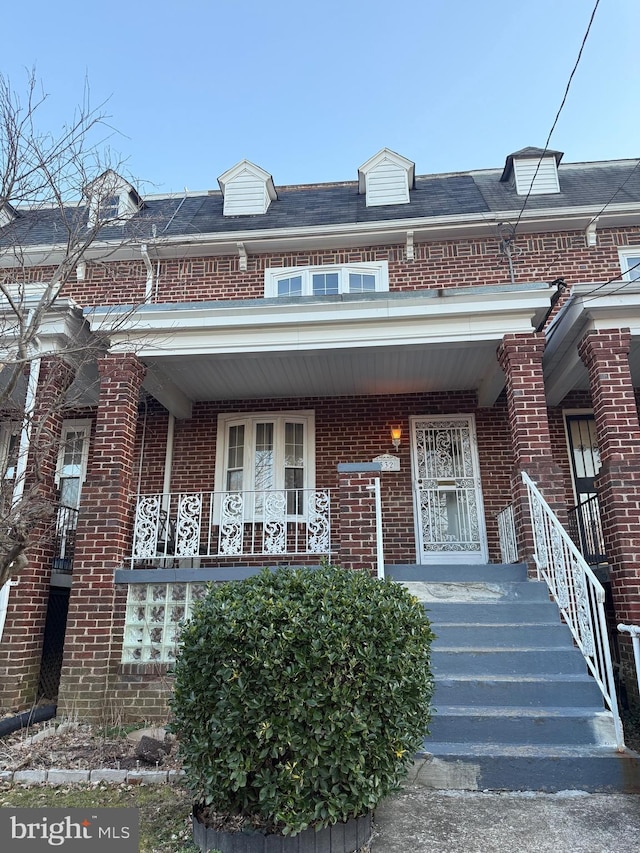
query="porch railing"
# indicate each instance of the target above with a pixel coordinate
(188, 525)
(578, 594)
(585, 528)
(507, 535)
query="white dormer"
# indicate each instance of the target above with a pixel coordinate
(522, 165)
(247, 190)
(386, 178)
(111, 198)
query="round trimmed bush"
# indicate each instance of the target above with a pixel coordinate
(301, 695)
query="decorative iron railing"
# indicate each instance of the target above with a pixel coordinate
(65, 539)
(507, 535)
(189, 525)
(585, 528)
(578, 594)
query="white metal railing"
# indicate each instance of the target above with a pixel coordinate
(231, 524)
(577, 592)
(507, 535)
(634, 630)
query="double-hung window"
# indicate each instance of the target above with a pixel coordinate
(260, 454)
(630, 263)
(366, 277)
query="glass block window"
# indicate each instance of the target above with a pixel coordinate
(154, 614)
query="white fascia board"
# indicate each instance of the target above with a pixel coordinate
(384, 322)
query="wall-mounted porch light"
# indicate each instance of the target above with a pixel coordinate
(396, 435)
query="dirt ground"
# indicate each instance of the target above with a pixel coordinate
(77, 746)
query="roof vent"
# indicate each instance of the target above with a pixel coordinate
(521, 166)
(386, 178)
(247, 190)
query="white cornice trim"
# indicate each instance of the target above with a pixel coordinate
(264, 240)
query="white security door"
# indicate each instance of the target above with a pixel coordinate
(447, 491)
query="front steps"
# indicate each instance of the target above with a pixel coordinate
(514, 706)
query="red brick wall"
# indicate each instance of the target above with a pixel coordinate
(462, 263)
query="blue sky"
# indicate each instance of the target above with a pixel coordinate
(310, 90)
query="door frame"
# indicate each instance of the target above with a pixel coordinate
(454, 557)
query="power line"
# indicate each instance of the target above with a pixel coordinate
(560, 108)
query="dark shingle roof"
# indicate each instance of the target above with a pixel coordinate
(448, 195)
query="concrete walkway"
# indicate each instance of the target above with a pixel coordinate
(423, 821)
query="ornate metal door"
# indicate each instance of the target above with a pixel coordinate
(448, 496)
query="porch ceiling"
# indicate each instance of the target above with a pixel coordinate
(327, 373)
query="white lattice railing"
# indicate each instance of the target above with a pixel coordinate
(577, 592)
(272, 523)
(507, 535)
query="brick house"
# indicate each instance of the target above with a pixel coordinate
(357, 371)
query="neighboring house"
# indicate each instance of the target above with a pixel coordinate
(282, 360)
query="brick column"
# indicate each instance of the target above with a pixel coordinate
(520, 356)
(606, 356)
(358, 537)
(103, 540)
(21, 647)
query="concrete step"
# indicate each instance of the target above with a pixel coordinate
(492, 612)
(513, 636)
(502, 767)
(448, 661)
(579, 691)
(441, 592)
(522, 726)
(454, 573)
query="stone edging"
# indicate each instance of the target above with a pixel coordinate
(72, 777)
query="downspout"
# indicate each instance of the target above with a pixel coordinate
(148, 289)
(168, 463)
(379, 545)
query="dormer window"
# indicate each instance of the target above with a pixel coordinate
(534, 171)
(386, 178)
(247, 190)
(112, 200)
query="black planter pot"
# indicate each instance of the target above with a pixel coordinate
(340, 838)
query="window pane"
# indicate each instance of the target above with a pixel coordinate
(633, 268)
(293, 483)
(70, 491)
(325, 284)
(235, 458)
(73, 445)
(291, 286)
(264, 456)
(361, 282)
(293, 445)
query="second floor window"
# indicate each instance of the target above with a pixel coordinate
(369, 277)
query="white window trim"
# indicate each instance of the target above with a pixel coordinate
(380, 269)
(625, 256)
(68, 426)
(250, 419)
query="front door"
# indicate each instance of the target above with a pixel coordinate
(447, 491)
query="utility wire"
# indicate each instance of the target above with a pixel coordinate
(560, 108)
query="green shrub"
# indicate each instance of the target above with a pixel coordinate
(301, 696)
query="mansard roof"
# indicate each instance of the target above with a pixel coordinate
(459, 197)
